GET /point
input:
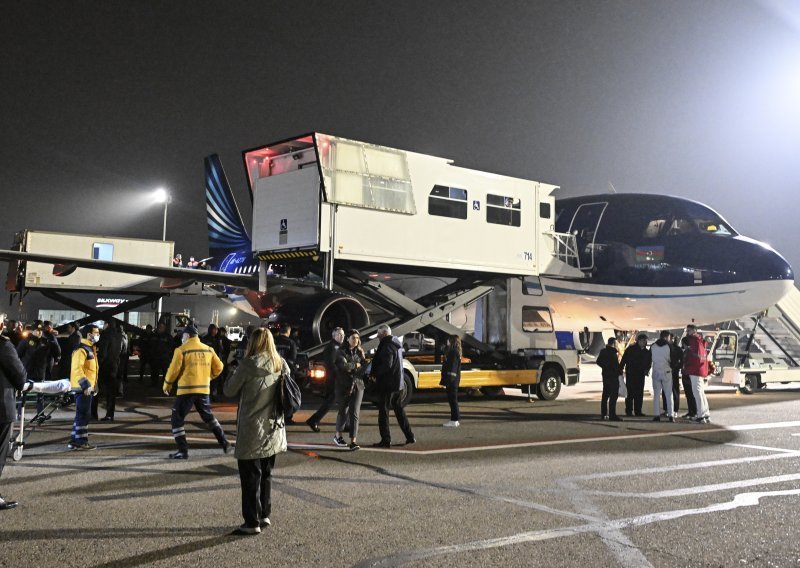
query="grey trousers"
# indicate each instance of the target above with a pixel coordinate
(349, 410)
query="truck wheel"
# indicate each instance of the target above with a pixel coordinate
(750, 384)
(549, 385)
(492, 392)
(408, 391)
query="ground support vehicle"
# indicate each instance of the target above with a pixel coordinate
(751, 361)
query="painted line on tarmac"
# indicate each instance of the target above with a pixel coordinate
(466, 449)
(292, 445)
(700, 489)
(765, 448)
(739, 501)
(593, 439)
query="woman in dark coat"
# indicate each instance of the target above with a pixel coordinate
(451, 377)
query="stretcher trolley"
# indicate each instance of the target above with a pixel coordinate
(56, 394)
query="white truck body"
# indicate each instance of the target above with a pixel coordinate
(384, 206)
(134, 251)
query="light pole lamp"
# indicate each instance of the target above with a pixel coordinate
(162, 196)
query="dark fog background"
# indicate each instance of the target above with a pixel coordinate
(100, 103)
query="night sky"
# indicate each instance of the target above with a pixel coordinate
(100, 103)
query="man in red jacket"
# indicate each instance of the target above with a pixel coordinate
(695, 364)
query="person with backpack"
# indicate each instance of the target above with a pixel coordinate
(387, 374)
(260, 428)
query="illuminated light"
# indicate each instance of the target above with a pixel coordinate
(160, 195)
(232, 311)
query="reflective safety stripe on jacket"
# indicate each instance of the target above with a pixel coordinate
(193, 366)
(83, 364)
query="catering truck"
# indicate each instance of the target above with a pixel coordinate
(419, 244)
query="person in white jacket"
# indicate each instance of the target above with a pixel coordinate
(662, 376)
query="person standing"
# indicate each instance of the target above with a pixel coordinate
(661, 356)
(387, 373)
(686, 382)
(34, 352)
(192, 368)
(451, 377)
(54, 357)
(142, 345)
(83, 375)
(287, 348)
(608, 361)
(349, 389)
(636, 364)
(329, 390)
(109, 350)
(161, 350)
(12, 379)
(676, 361)
(261, 433)
(696, 366)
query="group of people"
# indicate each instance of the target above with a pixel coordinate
(264, 360)
(672, 364)
(347, 372)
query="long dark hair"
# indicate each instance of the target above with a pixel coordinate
(455, 343)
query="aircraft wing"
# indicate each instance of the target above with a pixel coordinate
(186, 275)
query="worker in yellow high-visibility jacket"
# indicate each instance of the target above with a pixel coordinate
(193, 366)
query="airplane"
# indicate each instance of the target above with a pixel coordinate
(657, 262)
(644, 262)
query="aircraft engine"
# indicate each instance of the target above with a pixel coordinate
(317, 315)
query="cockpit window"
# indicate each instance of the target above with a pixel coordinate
(654, 228)
(702, 225)
(713, 227)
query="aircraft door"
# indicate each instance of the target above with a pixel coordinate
(584, 226)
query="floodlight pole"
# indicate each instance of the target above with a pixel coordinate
(163, 238)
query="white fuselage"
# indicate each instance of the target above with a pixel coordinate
(579, 305)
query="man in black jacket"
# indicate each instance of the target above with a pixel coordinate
(109, 350)
(636, 363)
(608, 360)
(50, 335)
(12, 378)
(161, 350)
(328, 395)
(387, 373)
(35, 352)
(287, 349)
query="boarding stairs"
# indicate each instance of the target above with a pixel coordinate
(777, 332)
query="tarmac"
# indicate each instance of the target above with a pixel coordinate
(543, 483)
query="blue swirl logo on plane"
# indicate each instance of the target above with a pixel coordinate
(232, 261)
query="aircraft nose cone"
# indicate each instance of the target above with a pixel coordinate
(761, 262)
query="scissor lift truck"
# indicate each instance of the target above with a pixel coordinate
(413, 241)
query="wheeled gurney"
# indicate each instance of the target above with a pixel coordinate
(57, 395)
